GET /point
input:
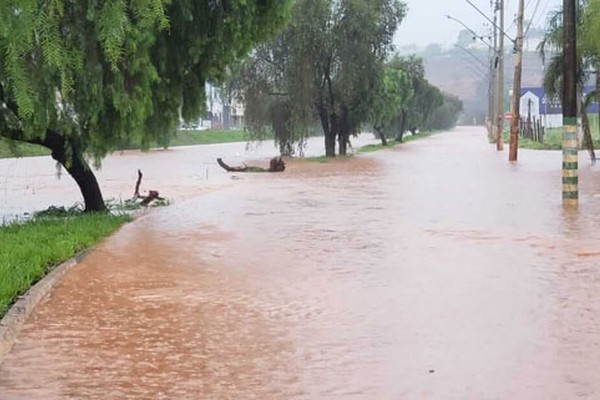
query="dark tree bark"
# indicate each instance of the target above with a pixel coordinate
(76, 165)
(68, 153)
(328, 131)
(381, 135)
(343, 142)
(343, 131)
(402, 126)
(70, 156)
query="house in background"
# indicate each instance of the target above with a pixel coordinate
(535, 104)
(221, 112)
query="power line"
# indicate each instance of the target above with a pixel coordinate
(489, 20)
(475, 35)
(543, 13)
(535, 10)
(472, 55)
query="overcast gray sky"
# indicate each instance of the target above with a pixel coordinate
(427, 23)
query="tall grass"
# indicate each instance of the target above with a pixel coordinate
(29, 250)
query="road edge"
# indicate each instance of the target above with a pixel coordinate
(13, 321)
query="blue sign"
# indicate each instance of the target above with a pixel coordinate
(550, 106)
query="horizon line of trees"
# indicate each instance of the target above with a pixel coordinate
(334, 66)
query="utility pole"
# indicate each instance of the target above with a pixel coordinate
(570, 167)
(516, 99)
(494, 78)
(500, 80)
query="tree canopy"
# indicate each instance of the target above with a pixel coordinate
(79, 77)
(325, 66)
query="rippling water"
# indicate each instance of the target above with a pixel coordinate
(432, 271)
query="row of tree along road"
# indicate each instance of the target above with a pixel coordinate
(82, 77)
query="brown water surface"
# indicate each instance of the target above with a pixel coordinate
(432, 271)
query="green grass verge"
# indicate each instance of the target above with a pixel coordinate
(552, 141)
(188, 138)
(393, 143)
(325, 160)
(9, 148)
(374, 147)
(553, 137)
(29, 250)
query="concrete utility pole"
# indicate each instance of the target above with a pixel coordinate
(500, 80)
(516, 99)
(494, 77)
(570, 191)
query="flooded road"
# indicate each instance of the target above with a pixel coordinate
(431, 271)
(32, 183)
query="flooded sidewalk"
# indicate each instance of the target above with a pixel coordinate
(435, 270)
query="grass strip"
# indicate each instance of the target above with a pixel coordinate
(9, 148)
(552, 140)
(373, 147)
(393, 143)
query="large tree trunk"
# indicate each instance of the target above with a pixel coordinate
(329, 145)
(78, 168)
(329, 132)
(381, 134)
(402, 126)
(88, 184)
(344, 131)
(72, 160)
(343, 142)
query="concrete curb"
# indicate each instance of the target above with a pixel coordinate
(14, 320)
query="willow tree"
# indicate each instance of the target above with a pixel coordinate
(326, 66)
(394, 93)
(79, 77)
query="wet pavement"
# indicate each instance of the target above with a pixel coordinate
(432, 271)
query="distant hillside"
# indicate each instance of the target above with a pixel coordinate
(457, 72)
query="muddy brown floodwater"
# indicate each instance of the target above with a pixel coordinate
(432, 271)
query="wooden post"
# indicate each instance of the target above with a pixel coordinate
(500, 80)
(514, 128)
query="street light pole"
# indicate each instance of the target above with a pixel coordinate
(516, 98)
(500, 81)
(494, 82)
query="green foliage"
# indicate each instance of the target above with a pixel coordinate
(395, 92)
(418, 110)
(326, 65)
(588, 45)
(446, 116)
(11, 148)
(98, 73)
(426, 100)
(30, 249)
